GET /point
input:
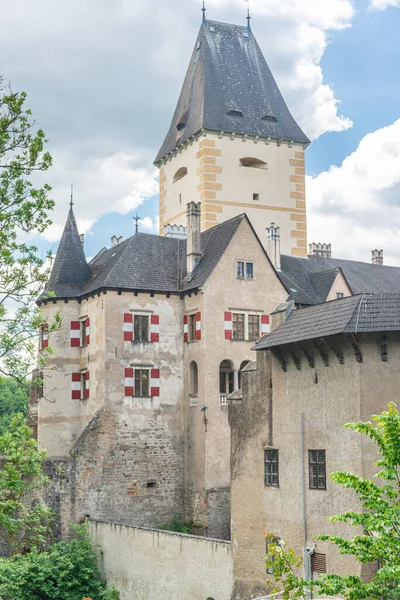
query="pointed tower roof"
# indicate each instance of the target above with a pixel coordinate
(229, 87)
(70, 271)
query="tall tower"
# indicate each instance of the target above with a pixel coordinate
(233, 144)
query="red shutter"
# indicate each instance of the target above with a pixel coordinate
(155, 382)
(198, 326)
(228, 325)
(265, 327)
(155, 328)
(87, 384)
(76, 386)
(75, 334)
(128, 327)
(87, 331)
(186, 328)
(45, 335)
(129, 382)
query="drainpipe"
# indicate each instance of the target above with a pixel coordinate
(307, 551)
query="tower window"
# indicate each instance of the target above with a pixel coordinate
(180, 174)
(255, 163)
(235, 113)
(256, 196)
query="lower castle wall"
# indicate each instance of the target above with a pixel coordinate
(147, 564)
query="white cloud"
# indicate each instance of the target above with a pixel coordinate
(103, 78)
(116, 183)
(383, 4)
(357, 206)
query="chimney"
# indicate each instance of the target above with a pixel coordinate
(193, 215)
(324, 250)
(377, 257)
(82, 238)
(274, 245)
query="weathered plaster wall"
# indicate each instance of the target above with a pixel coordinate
(147, 564)
(225, 187)
(208, 452)
(327, 397)
(339, 286)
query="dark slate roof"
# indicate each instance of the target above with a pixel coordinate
(152, 263)
(308, 280)
(228, 72)
(70, 272)
(364, 313)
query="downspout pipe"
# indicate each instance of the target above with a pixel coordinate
(307, 551)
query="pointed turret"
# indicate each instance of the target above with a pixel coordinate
(230, 88)
(70, 271)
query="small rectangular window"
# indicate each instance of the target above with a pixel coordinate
(83, 386)
(339, 295)
(318, 562)
(256, 196)
(141, 328)
(249, 270)
(238, 331)
(142, 387)
(254, 327)
(271, 468)
(83, 333)
(317, 469)
(240, 269)
(192, 327)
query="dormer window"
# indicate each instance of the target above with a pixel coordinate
(180, 174)
(235, 113)
(181, 126)
(212, 29)
(255, 163)
(269, 118)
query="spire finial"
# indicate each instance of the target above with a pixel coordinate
(248, 13)
(204, 10)
(137, 219)
(72, 195)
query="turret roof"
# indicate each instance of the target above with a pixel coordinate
(229, 87)
(70, 272)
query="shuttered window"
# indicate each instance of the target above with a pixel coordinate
(142, 383)
(318, 563)
(238, 326)
(254, 327)
(141, 328)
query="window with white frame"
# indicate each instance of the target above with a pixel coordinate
(244, 269)
(142, 383)
(245, 326)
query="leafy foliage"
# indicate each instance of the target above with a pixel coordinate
(14, 397)
(379, 520)
(66, 571)
(176, 525)
(23, 210)
(24, 520)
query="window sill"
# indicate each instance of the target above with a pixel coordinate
(142, 342)
(318, 489)
(192, 341)
(270, 486)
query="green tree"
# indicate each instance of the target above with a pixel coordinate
(24, 211)
(379, 520)
(24, 520)
(14, 398)
(66, 571)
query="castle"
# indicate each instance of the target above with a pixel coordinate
(157, 329)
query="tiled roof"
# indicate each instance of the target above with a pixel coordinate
(356, 314)
(228, 72)
(307, 279)
(150, 263)
(70, 272)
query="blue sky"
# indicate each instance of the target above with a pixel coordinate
(103, 78)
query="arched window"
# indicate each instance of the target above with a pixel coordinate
(180, 174)
(226, 380)
(242, 366)
(255, 163)
(193, 383)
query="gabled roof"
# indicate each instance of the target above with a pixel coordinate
(229, 74)
(70, 272)
(307, 279)
(365, 313)
(152, 263)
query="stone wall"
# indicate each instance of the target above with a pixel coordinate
(146, 564)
